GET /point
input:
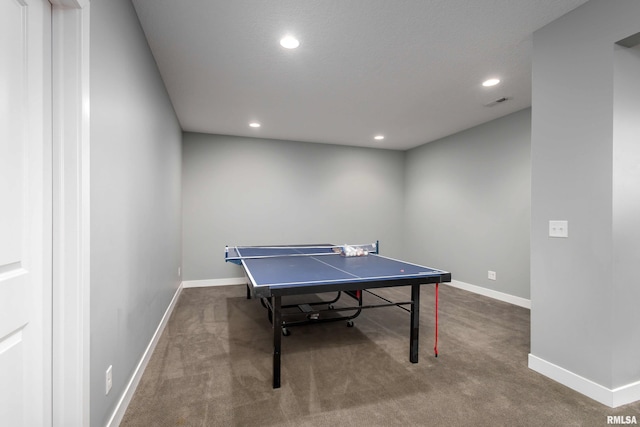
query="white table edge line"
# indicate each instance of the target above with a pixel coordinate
(362, 280)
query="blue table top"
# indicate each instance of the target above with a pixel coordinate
(285, 267)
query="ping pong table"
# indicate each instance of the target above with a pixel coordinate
(274, 272)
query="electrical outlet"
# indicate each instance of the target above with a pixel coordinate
(109, 378)
(179, 271)
(559, 229)
(491, 275)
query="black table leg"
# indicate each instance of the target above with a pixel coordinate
(415, 323)
(276, 302)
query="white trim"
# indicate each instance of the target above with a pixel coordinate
(214, 282)
(71, 212)
(612, 398)
(511, 299)
(626, 394)
(69, 4)
(129, 390)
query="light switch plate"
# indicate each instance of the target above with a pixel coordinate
(558, 228)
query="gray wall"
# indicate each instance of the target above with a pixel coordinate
(461, 203)
(246, 191)
(626, 214)
(584, 288)
(467, 204)
(135, 200)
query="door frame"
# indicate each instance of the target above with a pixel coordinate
(71, 212)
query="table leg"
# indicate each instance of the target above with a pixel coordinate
(276, 303)
(415, 323)
(435, 346)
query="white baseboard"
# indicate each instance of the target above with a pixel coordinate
(522, 302)
(610, 397)
(125, 399)
(626, 394)
(214, 282)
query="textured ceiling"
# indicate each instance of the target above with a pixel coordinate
(408, 69)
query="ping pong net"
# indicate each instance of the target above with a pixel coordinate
(238, 253)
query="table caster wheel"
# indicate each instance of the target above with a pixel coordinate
(350, 323)
(286, 332)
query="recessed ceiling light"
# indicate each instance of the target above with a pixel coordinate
(254, 124)
(289, 42)
(490, 82)
(378, 137)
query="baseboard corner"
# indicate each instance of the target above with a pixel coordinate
(610, 397)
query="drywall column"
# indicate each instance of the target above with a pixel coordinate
(626, 212)
(581, 333)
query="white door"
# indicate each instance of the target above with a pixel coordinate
(25, 213)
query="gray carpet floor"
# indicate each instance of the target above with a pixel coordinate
(213, 367)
